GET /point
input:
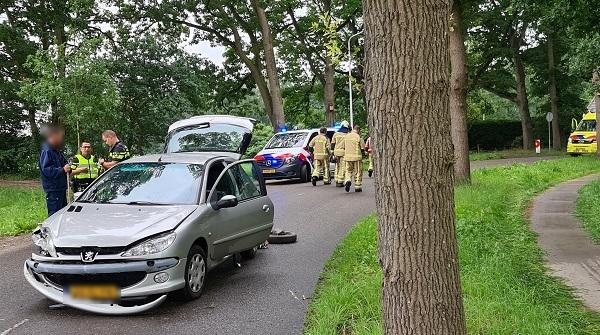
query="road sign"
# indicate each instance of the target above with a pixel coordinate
(549, 117)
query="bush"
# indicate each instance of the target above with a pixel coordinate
(494, 134)
(18, 156)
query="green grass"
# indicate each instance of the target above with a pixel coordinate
(513, 153)
(588, 209)
(505, 284)
(21, 209)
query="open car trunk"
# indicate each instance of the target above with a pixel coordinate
(223, 134)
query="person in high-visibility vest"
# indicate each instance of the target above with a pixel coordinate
(353, 146)
(320, 145)
(84, 167)
(338, 153)
(117, 150)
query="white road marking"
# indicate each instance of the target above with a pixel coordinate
(14, 327)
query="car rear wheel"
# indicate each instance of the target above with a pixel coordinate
(195, 274)
(304, 174)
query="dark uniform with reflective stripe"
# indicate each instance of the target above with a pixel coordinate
(118, 153)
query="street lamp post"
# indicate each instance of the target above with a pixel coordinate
(350, 77)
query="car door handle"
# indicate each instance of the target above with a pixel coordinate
(266, 208)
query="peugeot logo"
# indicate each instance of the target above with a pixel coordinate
(268, 162)
(88, 256)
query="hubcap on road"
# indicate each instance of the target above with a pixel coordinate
(196, 273)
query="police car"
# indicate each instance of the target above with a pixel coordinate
(287, 156)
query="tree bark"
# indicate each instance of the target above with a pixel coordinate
(407, 89)
(458, 97)
(522, 101)
(271, 66)
(556, 135)
(329, 92)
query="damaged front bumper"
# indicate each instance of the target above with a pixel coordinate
(139, 289)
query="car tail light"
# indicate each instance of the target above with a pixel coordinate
(259, 157)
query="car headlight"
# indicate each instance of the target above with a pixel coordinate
(290, 160)
(151, 246)
(43, 239)
(570, 140)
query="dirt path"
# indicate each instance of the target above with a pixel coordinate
(570, 252)
(20, 183)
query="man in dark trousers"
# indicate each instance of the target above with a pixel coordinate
(54, 169)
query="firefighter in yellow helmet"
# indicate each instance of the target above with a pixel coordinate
(353, 146)
(320, 145)
(338, 153)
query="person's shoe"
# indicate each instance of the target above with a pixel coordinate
(339, 184)
(370, 173)
(347, 186)
(314, 181)
(327, 183)
(358, 190)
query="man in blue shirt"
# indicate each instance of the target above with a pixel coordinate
(54, 169)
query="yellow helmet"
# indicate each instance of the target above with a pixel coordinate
(345, 124)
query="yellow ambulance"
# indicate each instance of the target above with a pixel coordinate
(583, 139)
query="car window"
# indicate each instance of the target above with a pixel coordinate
(587, 125)
(247, 180)
(286, 140)
(225, 186)
(147, 183)
(214, 137)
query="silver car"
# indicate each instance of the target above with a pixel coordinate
(156, 224)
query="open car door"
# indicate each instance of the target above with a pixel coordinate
(223, 134)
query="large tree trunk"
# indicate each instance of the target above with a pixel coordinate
(458, 97)
(407, 87)
(556, 136)
(522, 101)
(329, 92)
(271, 66)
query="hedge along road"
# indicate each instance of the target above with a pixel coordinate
(268, 295)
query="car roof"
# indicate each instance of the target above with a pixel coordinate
(305, 130)
(589, 116)
(181, 157)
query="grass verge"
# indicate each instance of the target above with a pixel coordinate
(588, 209)
(506, 288)
(21, 209)
(513, 153)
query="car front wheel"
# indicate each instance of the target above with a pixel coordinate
(195, 274)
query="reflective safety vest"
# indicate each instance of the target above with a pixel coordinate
(353, 146)
(91, 164)
(321, 145)
(337, 139)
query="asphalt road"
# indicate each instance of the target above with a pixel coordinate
(268, 295)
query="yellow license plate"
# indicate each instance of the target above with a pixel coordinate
(268, 171)
(94, 292)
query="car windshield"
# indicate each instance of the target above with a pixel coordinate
(587, 125)
(207, 137)
(286, 140)
(147, 184)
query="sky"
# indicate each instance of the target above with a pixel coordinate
(204, 49)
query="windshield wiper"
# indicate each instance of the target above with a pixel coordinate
(143, 203)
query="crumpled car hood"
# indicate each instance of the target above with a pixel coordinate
(113, 225)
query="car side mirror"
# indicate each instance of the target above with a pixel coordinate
(226, 201)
